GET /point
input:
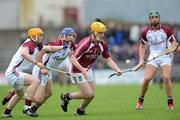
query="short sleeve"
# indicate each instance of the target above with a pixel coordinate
(169, 33)
(30, 46)
(82, 47)
(105, 52)
(143, 35)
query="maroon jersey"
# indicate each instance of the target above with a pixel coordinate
(87, 52)
(32, 45)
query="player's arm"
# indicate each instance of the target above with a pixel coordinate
(77, 64)
(112, 64)
(77, 53)
(39, 61)
(40, 56)
(172, 40)
(141, 53)
(49, 48)
(172, 48)
(25, 54)
(108, 60)
(142, 49)
(142, 46)
(141, 56)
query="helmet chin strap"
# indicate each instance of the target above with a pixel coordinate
(35, 40)
(97, 38)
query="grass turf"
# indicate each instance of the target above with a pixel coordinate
(113, 102)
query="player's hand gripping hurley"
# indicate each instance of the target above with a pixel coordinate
(137, 67)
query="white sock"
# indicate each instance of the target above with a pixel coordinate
(26, 107)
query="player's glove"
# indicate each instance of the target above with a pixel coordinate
(65, 46)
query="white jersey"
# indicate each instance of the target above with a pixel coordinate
(55, 58)
(159, 40)
(20, 63)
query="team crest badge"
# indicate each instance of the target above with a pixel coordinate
(80, 78)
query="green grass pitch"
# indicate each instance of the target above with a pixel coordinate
(113, 102)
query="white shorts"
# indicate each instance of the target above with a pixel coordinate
(66, 65)
(15, 79)
(37, 73)
(158, 62)
(80, 78)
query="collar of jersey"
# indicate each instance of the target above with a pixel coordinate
(158, 28)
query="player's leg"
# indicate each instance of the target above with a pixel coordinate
(66, 66)
(150, 71)
(16, 80)
(86, 90)
(48, 93)
(8, 97)
(165, 72)
(40, 92)
(85, 102)
(84, 93)
(32, 83)
(12, 102)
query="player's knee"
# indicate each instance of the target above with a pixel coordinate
(20, 93)
(39, 99)
(36, 82)
(48, 94)
(166, 78)
(89, 95)
(147, 80)
(19, 96)
(92, 96)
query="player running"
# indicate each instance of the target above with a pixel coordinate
(22, 60)
(54, 60)
(82, 59)
(158, 37)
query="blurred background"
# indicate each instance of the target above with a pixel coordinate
(123, 18)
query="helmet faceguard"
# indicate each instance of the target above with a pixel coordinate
(66, 32)
(98, 29)
(154, 13)
(35, 33)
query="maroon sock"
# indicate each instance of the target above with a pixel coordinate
(140, 98)
(67, 95)
(7, 111)
(170, 100)
(28, 102)
(12, 93)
